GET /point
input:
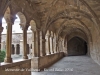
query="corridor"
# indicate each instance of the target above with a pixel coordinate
(72, 65)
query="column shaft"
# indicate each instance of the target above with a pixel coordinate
(36, 44)
(48, 45)
(1, 29)
(54, 44)
(8, 58)
(42, 44)
(51, 45)
(25, 43)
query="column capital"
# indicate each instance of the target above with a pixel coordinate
(24, 28)
(34, 30)
(52, 35)
(48, 34)
(9, 23)
(43, 40)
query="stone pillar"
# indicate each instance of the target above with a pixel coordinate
(21, 47)
(42, 44)
(61, 48)
(48, 43)
(51, 43)
(31, 49)
(63, 45)
(58, 46)
(55, 44)
(1, 29)
(13, 49)
(17, 49)
(8, 58)
(25, 43)
(28, 49)
(33, 43)
(36, 44)
(65, 48)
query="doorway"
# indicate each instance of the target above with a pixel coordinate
(77, 46)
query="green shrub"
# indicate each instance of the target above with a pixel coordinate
(2, 56)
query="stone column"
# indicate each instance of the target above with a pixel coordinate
(25, 43)
(63, 45)
(8, 58)
(42, 44)
(1, 29)
(13, 49)
(28, 49)
(51, 43)
(65, 48)
(21, 47)
(48, 43)
(58, 46)
(54, 42)
(17, 49)
(36, 44)
(61, 48)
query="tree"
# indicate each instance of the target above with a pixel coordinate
(2, 56)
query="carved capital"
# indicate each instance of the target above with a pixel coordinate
(24, 27)
(43, 40)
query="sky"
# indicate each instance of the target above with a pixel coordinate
(15, 28)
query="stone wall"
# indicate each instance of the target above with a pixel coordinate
(46, 61)
(17, 38)
(17, 68)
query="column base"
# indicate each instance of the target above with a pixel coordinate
(44, 54)
(8, 60)
(25, 57)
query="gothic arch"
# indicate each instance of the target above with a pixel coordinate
(33, 25)
(22, 19)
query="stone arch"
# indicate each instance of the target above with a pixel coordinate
(22, 19)
(87, 13)
(4, 4)
(7, 15)
(86, 34)
(33, 25)
(61, 15)
(77, 34)
(79, 25)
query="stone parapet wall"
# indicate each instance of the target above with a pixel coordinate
(17, 68)
(46, 61)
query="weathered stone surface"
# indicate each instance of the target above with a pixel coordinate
(65, 18)
(46, 61)
(16, 68)
(28, 49)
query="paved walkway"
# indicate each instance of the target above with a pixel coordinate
(73, 65)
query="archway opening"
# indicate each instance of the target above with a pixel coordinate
(77, 46)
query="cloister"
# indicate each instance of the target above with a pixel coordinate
(60, 28)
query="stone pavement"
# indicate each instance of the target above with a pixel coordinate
(72, 65)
